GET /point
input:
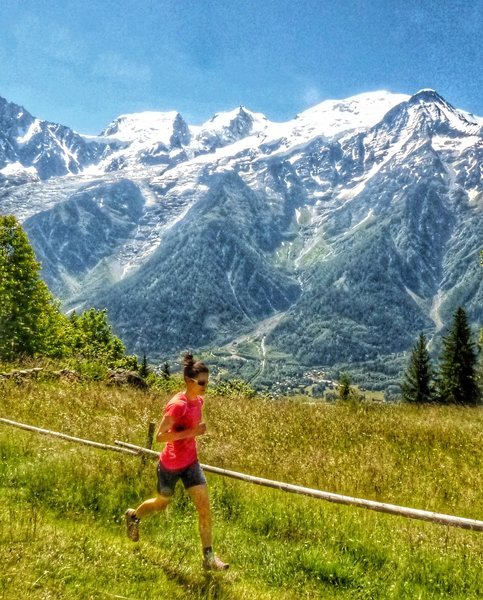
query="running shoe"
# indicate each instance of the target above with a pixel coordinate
(211, 562)
(132, 524)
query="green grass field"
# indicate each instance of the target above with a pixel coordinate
(61, 513)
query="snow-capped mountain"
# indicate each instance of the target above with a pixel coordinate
(32, 149)
(147, 138)
(333, 117)
(228, 127)
(332, 238)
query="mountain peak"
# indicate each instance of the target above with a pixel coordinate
(226, 119)
(144, 126)
(227, 127)
(332, 117)
(428, 95)
(13, 111)
(428, 92)
(440, 110)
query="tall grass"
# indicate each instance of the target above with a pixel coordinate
(61, 513)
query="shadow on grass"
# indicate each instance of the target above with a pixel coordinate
(195, 581)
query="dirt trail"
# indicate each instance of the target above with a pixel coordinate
(257, 336)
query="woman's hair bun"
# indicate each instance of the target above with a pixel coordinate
(188, 360)
(193, 368)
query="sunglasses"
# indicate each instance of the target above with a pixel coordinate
(200, 383)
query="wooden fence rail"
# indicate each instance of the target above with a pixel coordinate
(393, 509)
(411, 513)
(69, 438)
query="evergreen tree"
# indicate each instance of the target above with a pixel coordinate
(344, 387)
(165, 372)
(30, 320)
(144, 370)
(458, 364)
(417, 386)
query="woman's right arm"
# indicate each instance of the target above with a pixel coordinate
(165, 435)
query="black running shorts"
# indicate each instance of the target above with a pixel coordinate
(190, 476)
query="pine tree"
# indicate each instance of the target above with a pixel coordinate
(30, 320)
(344, 387)
(165, 372)
(144, 370)
(458, 364)
(417, 385)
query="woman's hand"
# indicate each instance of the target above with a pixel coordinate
(200, 429)
(166, 434)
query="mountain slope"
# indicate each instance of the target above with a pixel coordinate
(346, 230)
(209, 278)
(103, 215)
(394, 239)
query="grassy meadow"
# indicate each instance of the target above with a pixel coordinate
(61, 511)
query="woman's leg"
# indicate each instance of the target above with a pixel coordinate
(152, 505)
(201, 500)
(200, 497)
(133, 517)
(166, 484)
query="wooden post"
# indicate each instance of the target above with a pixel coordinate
(151, 428)
(149, 441)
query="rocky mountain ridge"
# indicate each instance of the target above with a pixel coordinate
(333, 238)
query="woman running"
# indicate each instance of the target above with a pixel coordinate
(181, 424)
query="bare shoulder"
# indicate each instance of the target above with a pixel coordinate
(178, 398)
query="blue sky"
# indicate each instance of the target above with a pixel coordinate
(84, 62)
